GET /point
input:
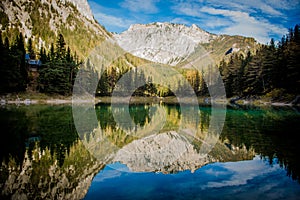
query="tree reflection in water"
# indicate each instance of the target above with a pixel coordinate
(42, 157)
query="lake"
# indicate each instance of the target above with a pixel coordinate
(149, 151)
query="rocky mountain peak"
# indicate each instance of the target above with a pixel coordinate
(42, 20)
(165, 43)
(83, 7)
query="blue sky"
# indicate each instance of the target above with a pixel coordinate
(255, 18)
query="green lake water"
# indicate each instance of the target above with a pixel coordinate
(153, 153)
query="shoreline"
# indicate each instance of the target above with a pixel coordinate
(61, 100)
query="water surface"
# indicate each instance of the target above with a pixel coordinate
(157, 156)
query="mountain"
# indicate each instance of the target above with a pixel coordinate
(166, 152)
(158, 41)
(170, 43)
(43, 20)
(167, 43)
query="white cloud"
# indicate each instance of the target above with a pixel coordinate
(251, 6)
(178, 20)
(148, 6)
(107, 174)
(109, 20)
(247, 18)
(246, 25)
(215, 22)
(284, 4)
(189, 9)
(242, 172)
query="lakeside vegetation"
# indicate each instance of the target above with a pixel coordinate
(56, 74)
(271, 73)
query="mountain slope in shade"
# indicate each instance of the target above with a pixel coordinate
(172, 43)
(43, 20)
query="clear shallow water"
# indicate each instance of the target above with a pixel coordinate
(42, 156)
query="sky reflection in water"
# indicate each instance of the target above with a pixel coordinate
(251, 179)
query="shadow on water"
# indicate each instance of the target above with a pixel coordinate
(272, 132)
(42, 156)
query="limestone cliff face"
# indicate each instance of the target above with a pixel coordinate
(84, 8)
(42, 20)
(162, 42)
(174, 43)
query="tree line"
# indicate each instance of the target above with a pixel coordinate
(274, 70)
(57, 71)
(13, 72)
(120, 75)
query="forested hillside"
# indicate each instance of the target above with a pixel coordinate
(274, 70)
(56, 74)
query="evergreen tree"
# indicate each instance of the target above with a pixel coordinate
(293, 61)
(254, 79)
(68, 55)
(23, 69)
(14, 71)
(203, 86)
(60, 47)
(58, 74)
(3, 65)
(30, 49)
(103, 87)
(269, 63)
(196, 83)
(43, 55)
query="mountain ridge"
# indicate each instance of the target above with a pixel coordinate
(162, 42)
(165, 43)
(170, 43)
(43, 20)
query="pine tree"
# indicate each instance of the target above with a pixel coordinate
(253, 72)
(23, 70)
(43, 55)
(3, 65)
(293, 61)
(102, 89)
(242, 74)
(196, 84)
(268, 66)
(68, 55)
(60, 69)
(30, 49)
(203, 86)
(60, 47)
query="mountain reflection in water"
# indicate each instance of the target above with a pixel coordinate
(251, 179)
(155, 157)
